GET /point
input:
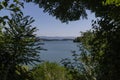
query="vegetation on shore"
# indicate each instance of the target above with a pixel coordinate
(50, 71)
(77, 39)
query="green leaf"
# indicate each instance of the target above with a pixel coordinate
(12, 5)
(5, 4)
(16, 9)
(1, 7)
(5, 17)
(4, 22)
(15, 0)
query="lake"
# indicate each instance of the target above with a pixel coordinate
(58, 50)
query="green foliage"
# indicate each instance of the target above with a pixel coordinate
(50, 71)
(102, 56)
(105, 48)
(85, 39)
(82, 66)
(62, 9)
(115, 2)
(74, 67)
(18, 46)
(77, 39)
(75, 9)
(13, 6)
(102, 45)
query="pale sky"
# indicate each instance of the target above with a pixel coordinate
(48, 25)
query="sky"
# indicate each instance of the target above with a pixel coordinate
(48, 25)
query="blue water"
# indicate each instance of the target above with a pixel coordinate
(58, 50)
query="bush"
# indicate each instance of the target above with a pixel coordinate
(50, 71)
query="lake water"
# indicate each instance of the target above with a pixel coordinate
(58, 50)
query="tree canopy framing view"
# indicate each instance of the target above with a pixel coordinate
(18, 41)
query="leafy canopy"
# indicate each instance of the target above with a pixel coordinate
(18, 46)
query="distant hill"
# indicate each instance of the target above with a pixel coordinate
(47, 38)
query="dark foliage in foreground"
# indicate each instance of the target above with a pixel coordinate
(18, 47)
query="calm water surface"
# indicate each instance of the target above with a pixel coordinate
(58, 50)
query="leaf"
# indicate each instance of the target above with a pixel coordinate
(4, 23)
(5, 17)
(1, 7)
(16, 9)
(12, 6)
(16, 1)
(21, 4)
(5, 4)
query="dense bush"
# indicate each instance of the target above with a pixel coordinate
(50, 71)
(18, 46)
